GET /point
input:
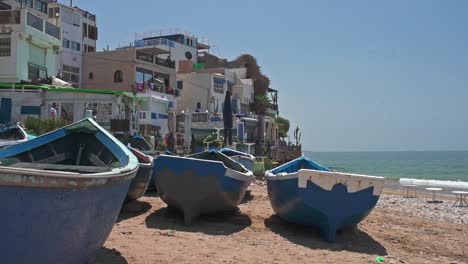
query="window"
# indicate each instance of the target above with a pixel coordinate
(26, 2)
(71, 74)
(10, 17)
(5, 45)
(66, 111)
(41, 6)
(75, 46)
(92, 32)
(91, 76)
(118, 76)
(54, 12)
(218, 85)
(85, 30)
(143, 77)
(180, 85)
(35, 22)
(91, 49)
(66, 43)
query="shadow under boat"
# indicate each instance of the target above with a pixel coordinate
(203, 183)
(350, 239)
(61, 194)
(224, 223)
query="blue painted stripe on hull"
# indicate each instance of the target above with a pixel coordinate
(33, 143)
(43, 226)
(327, 210)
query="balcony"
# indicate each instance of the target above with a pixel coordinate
(36, 72)
(43, 26)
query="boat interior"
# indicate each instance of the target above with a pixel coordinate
(138, 143)
(298, 164)
(142, 158)
(216, 156)
(78, 152)
(11, 133)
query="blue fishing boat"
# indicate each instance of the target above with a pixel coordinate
(140, 183)
(11, 134)
(138, 142)
(304, 192)
(243, 158)
(61, 194)
(203, 183)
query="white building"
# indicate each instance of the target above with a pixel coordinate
(79, 35)
(29, 44)
(208, 87)
(109, 106)
(181, 46)
(154, 112)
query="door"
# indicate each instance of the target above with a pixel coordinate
(5, 110)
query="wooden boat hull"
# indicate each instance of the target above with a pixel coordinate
(52, 225)
(325, 200)
(247, 160)
(198, 187)
(57, 212)
(140, 183)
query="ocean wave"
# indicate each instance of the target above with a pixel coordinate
(424, 182)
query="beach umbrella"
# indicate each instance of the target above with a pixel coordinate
(227, 119)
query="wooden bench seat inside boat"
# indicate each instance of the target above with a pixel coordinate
(60, 167)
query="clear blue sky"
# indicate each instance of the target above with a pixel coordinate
(354, 75)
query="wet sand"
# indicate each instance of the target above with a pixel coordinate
(401, 230)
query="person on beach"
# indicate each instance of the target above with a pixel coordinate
(53, 111)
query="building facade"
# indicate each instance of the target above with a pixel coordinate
(29, 44)
(139, 70)
(79, 35)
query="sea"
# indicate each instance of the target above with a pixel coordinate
(444, 168)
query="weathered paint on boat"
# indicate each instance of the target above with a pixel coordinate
(199, 186)
(54, 216)
(303, 192)
(140, 183)
(243, 158)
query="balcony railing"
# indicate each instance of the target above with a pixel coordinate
(200, 117)
(36, 72)
(38, 23)
(153, 42)
(52, 30)
(10, 17)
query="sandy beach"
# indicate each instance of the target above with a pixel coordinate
(402, 230)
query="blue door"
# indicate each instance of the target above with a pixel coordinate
(5, 110)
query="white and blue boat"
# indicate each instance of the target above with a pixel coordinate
(304, 192)
(61, 194)
(11, 134)
(243, 158)
(203, 183)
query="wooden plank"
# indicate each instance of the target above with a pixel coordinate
(96, 161)
(54, 159)
(59, 167)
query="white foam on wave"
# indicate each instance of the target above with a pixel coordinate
(423, 182)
